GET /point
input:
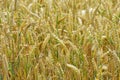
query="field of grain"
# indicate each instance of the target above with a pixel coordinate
(59, 39)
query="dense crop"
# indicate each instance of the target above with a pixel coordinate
(60, 40)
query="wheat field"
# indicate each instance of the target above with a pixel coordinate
(59, 39)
